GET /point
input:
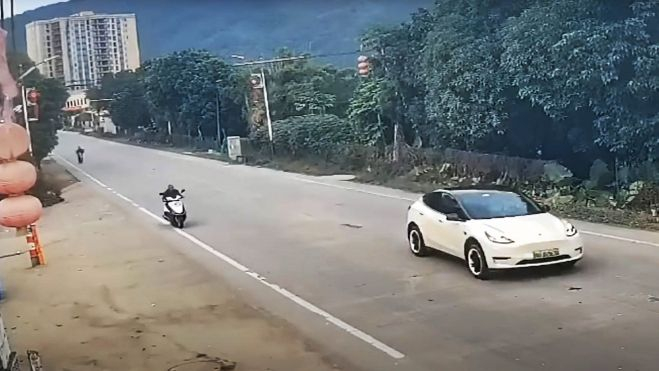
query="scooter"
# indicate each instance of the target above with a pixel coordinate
(174, 211)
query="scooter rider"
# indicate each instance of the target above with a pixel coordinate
(170, 192)
(177, 215)
(80, 152)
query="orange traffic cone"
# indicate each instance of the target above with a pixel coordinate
(36, 251)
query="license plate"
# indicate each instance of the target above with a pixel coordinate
(540, 254)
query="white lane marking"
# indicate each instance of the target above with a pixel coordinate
(624, 239)
(394, 197)
(379, 194)
(263, 280)
(354, 189)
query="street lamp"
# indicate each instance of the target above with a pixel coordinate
(24, 95)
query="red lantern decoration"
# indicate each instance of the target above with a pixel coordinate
(20, 211)
(14, 141)
(363, 65)
(16, 177)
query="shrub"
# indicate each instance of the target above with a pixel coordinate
(319, 135)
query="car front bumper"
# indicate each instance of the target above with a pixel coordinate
(525, 255)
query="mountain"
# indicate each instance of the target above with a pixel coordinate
(254, 28)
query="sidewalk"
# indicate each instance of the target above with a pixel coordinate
(117, 297)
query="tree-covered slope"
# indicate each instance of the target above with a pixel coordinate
(250, 27)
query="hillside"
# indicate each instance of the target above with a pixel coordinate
(250, 27)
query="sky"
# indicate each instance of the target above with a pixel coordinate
(25, 5)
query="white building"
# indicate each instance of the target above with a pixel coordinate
(77, 102)
(84, 116)
(90, 45)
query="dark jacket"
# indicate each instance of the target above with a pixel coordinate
(170, 193)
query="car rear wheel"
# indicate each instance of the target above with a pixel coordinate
(476, 262)
(415, 238)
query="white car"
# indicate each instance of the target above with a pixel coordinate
(491, 229)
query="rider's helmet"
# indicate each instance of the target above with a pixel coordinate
(170, 187)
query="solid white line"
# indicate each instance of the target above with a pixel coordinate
(263, 280)
(384, 195)
(354, 189)
(624, 239)
(394, 197)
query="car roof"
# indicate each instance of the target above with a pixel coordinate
(474, 189)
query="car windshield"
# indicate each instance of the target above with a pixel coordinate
(496, 204)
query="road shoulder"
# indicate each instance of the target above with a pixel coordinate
(118, 296)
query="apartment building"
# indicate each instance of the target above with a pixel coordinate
(90, 45)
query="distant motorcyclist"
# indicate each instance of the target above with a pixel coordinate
(80, 153)
(170, 192)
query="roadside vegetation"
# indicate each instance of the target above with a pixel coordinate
(557, 97)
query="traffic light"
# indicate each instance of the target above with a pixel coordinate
(256, 81)
(33, 97)
(363, 65)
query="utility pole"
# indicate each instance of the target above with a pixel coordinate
(264, 85)
(217, 118)
(267, 106)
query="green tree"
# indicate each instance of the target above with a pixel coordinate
(367, 112)
(128, 107)
(51, 117)
(396, 57)
(302, 87)
(183, 88)
(570, 57)
(111, 84)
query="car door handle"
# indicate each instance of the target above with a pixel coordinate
(420, 213)
(440, 220)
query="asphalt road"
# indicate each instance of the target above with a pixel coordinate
(341, 247)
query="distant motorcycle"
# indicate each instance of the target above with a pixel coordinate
(174, 210)
(80, 153)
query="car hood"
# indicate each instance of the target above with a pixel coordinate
(528, 228)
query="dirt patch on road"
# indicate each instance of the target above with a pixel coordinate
(52, 180)
(116, 295)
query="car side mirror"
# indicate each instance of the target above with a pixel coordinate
(545, 208)
(183, 190)
(453, 217)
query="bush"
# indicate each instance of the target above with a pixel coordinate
(318, 135)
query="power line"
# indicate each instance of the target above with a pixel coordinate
(338, 54)
(296, 58)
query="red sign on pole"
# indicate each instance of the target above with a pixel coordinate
(33, 96)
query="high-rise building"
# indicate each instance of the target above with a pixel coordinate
(90, 45)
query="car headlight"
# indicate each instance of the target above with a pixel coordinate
(497, 237)
(570, 230)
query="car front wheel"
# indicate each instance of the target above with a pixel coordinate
(417, 245)
(476, 262)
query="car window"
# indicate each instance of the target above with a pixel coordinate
(432, 200)
(497, 204)
(441, 202)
